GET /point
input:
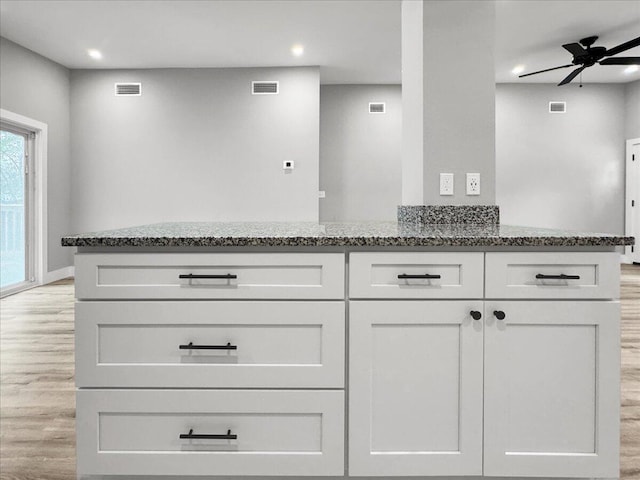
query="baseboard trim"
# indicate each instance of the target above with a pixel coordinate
(59, 274)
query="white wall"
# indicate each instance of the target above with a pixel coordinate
(34, 86)
(360, 153)
(632, 110)
(196, 146)
(561, 170)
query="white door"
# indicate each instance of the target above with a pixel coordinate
(415, 388)
(552, 389)
(632, 200)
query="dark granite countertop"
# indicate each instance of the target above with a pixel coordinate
(355, 234)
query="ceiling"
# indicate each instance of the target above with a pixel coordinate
(353, 41)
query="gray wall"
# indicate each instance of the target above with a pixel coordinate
(561, 170)
(36, 87)
(196, 146)
(632, 110)
(459, 98)
(360, 153)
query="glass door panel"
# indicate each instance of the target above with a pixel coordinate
(14, 261)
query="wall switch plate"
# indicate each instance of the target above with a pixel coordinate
(287, 165)
(473, 184)
(446, 184)
(321, 194)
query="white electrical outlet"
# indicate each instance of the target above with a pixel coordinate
(321, 194)
(473, 184)
(446, 184)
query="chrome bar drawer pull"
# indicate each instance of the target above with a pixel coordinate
(562, 276)
(191, 346)
(191, 435)
(404, 276)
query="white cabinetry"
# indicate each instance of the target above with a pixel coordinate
(207, 276)
(552, 367)
(210, 432)
(544, 364)
(198, 330)
(497, 364)
(552, 389)
(203, 344)
(415, 391)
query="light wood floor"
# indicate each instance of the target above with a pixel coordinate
(37, 404)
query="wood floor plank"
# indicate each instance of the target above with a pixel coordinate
(37, 393)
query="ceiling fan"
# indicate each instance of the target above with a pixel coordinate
(585, 56)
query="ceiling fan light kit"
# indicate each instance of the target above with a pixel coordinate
(585, 55)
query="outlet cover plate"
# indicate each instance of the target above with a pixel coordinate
(446, 184)
(473, 184)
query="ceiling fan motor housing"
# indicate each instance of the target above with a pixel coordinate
(590, 56)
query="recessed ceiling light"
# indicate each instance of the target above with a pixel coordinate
(631, 69)
(297, 50)
(518, 69)
(95, 54)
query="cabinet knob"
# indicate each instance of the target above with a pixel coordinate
(499, 314)
(476, 315)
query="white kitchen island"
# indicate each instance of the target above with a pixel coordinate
(379, 349)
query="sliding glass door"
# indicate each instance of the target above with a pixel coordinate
(16, 224)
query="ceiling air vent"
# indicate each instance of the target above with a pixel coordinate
(128, 89)
(376, 107)
(557, 107)
(264, 88)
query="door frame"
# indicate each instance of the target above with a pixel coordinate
(632, 193)
(39, 199)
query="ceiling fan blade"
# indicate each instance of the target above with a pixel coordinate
(621, 61)
(571, 76)
(574, 49)
(623, 46)
(547, 70)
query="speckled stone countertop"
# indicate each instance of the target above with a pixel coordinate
(356, 234)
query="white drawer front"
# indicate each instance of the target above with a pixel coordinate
(564, 275)
(137, 432)
(391, 275)
(238, 276)
(234, 344)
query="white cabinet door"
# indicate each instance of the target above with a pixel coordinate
(415, 391)
(552, 389)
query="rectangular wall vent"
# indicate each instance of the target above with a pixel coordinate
(376, 107)
(557, 107)
(128, 89)
(264, 88)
